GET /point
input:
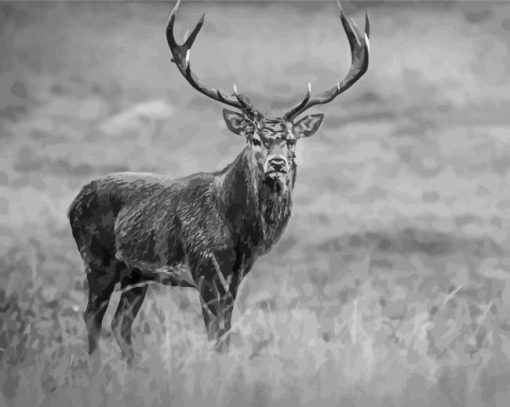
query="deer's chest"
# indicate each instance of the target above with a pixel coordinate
(270, 225)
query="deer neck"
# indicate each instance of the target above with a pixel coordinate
(252, 203)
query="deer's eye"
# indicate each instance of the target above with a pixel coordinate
(255, 142)
(291, 142)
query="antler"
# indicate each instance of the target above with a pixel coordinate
(181, 57)
(359, 51)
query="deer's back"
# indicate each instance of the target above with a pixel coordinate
(151, 221)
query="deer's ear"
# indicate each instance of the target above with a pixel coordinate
(308, 125)
(236, 122)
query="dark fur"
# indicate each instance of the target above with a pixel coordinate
(132, 228)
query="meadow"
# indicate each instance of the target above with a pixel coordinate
(391, 284)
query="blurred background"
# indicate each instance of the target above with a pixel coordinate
(391, 284)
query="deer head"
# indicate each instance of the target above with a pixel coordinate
(272, 141)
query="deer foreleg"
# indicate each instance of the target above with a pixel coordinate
(218, 290)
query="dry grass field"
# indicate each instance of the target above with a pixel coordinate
(391, 285)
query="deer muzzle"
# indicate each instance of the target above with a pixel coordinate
(276, 164)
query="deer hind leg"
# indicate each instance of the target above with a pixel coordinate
(101, 282)
(130, 302)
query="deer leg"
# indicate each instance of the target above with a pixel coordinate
(101, 282)
(217, 297)
(130, 302)
(217, 314)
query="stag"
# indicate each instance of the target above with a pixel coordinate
(205, 230)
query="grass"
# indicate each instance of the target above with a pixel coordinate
(346, 343)
(391, 285)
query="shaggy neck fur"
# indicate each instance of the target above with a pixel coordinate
(257, 207)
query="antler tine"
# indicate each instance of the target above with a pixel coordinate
(301, 106)
(367, 26)
(359, 45)
(181, 57)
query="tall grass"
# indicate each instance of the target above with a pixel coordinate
(364, 348)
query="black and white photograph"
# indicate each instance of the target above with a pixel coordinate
(241, 203)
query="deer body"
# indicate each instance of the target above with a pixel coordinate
(205, 230)
(148, 227)
(152, 222)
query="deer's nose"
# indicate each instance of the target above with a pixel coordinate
(277, 163)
